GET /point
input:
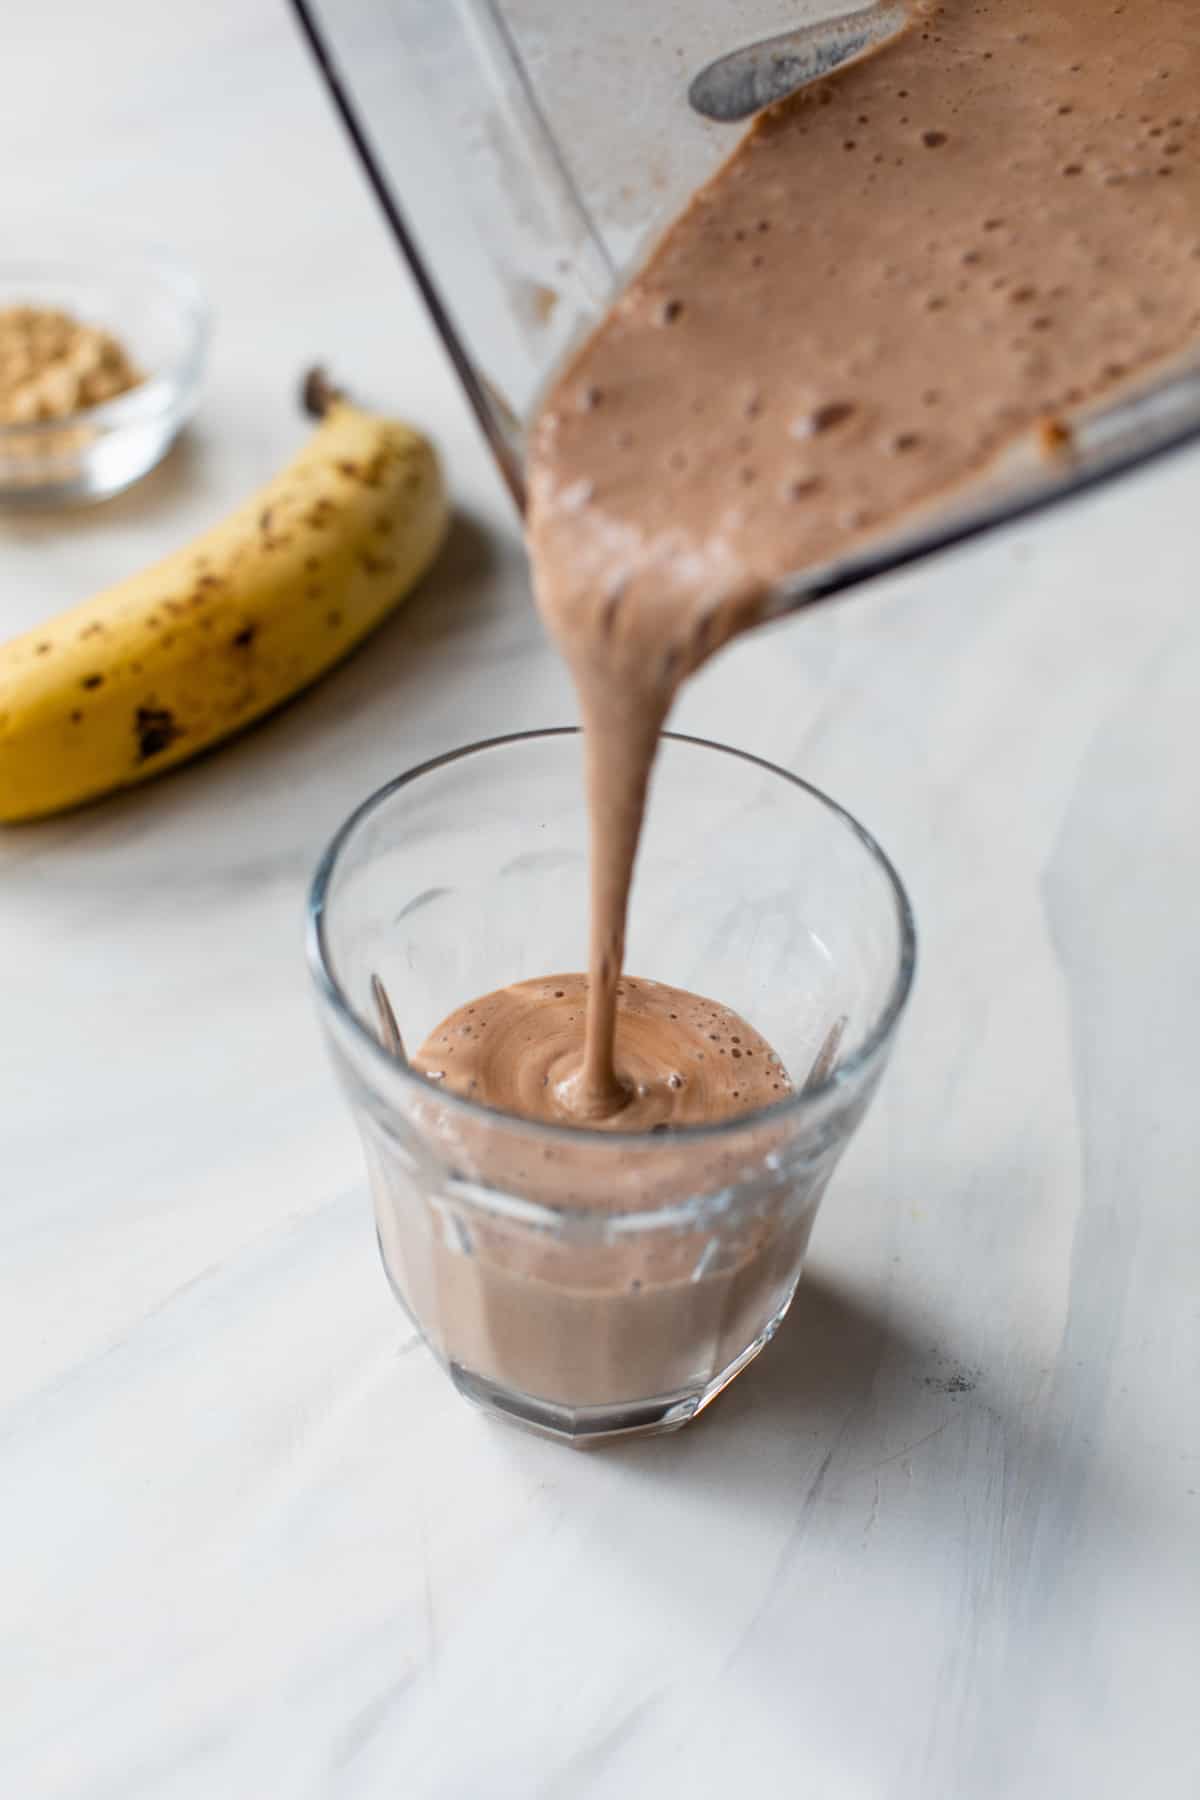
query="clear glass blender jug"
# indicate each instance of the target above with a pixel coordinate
(527, 153)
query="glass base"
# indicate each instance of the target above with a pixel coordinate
(588, 1426)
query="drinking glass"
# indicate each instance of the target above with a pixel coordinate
(596, 1283)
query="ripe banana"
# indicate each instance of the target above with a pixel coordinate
(169, 662)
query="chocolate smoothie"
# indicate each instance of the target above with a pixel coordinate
(658, 1259)
(991, 222)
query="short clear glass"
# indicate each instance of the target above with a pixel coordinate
(593, 1284)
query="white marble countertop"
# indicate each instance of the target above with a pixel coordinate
(943, 1540)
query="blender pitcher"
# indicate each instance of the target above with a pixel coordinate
(528, 153)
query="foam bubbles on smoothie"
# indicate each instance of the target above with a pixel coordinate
(528, 1060)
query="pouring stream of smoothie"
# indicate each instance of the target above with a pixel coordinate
(988, 223)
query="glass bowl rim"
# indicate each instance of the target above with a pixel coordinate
(804, 1100)
(160, 391)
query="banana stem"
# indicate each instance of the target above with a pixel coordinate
(318, 393)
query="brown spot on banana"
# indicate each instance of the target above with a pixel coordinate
(155, 730)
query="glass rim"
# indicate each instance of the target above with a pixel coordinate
(802, 1101)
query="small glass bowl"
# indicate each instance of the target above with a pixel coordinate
(155, 309)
